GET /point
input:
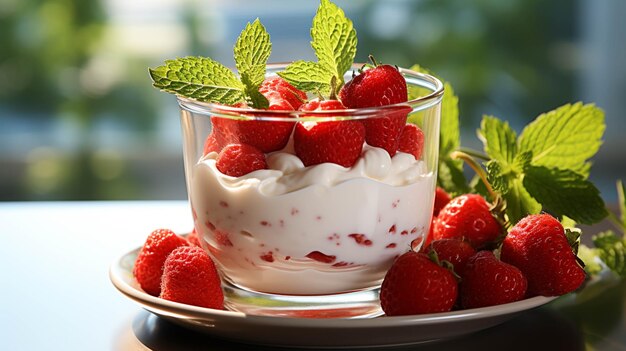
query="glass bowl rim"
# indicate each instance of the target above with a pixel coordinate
(424, 101)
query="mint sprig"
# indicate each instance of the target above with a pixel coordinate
(252, 50)
(565, 138)
(204, 79)
(199, 78)
(333, 38)
(543, 168)
(609, 248)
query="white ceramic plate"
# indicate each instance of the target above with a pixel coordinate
(297, 332)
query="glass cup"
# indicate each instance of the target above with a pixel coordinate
(311, 241)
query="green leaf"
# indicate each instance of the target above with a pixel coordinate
(522, 161)
(252, 50)
(612, 251)
(333, 39)
(499, 140)
(519, 203)
(590, 257)
(565, 193)
(565, 138)
(498, 181)
(199, 78)
(308, 76)
(451, 178)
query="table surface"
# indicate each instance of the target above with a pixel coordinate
(56, 293)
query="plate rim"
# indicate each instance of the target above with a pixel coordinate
(117, 271)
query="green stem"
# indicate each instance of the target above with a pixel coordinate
(475, 153)
(373, 60)
(467, 158)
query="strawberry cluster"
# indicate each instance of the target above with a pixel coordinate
(178, 269)
(468, 260)
(242, 145)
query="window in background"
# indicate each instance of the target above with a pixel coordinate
(79, 120)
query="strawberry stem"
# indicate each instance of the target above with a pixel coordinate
(477, 168)
(372, 60)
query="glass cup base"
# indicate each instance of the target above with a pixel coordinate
(359, 304)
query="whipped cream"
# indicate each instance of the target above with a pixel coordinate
(322, 229)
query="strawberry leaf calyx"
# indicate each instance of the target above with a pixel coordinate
(434, 257)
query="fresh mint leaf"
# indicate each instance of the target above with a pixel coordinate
(499, 140)
(199, 78)
(334, 40)
(450, 176)
(590, 257)
(496, 178)
(565, 138)
(519, 203)
(308, 76)
(521, 161)
(252, 50)
(612, 251)
(565, 193)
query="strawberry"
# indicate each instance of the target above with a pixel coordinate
(190, 277)
(420, 244)
(467, 217)
(237, 160)
(414, 284)
(211, 144)
(286, 92)
(379, 86)
(454, 251)
(149, 263)
(339, 142)
(411, 140)
(487, 281)
(537, 245)
(267, 136)
(193, 238)
(441, 200)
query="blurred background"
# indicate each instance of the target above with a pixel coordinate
(79, 119)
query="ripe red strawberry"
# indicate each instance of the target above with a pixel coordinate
(267, 136)
(149, 263)
(414, 284)
(412, 140)
(455, 251)
(339, 142)
(420, 244)
(190, 277)
(441, 200)
(467, 217)
(379, 86)
(537, 245)
(487, 281)
(211, 144)
(193, 238)
(237, 160)
(286, 92)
